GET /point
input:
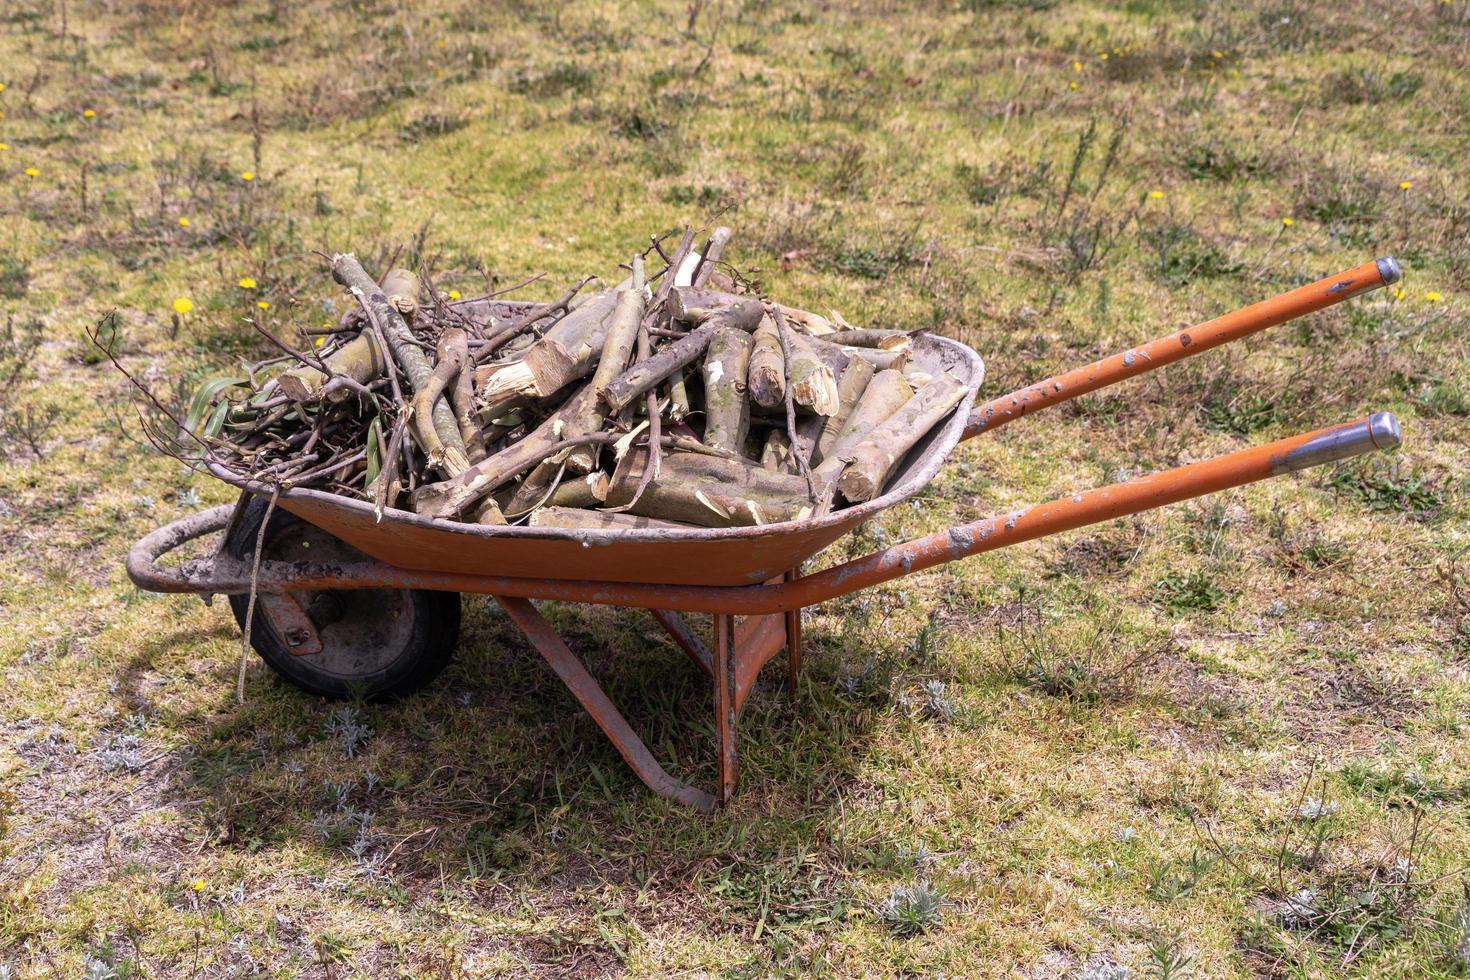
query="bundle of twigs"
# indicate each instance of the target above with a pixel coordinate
(671, 399)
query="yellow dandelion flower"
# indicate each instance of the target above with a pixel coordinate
(1399, 293)
(262, 304)
(183, 305)
(248, 176)
(1217, 54)
(1287, 222)
(2, 86)
(319, 341)
(246, 282)
(1076, 66)
(1104, 56)
(1433, 297)
(199, 884)
(454, 294)
(1073, 86)
(4, 147)
(89, 113)
(1405, 184)
(32, 172)
(1156, 195)
(184, 222)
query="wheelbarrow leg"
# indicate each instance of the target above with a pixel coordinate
(793, 639)
(585, 689)
(726, 706)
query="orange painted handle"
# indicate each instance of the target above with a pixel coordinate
(222, 574)
(1192, 340)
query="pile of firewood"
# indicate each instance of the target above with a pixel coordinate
(670, 399)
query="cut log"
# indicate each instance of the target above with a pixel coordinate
(643, 376)
(882, 360)
(726, 412)
(850, 387)
(453, 356)
(766, 378)
(813, 382)
(876, 339)
(448, 498)
(358, 359)
(568, 351)
(617, 348)
(573, 517)
(776, 453)
(580, 491)
(400, 340)
(709, 491)
(873, 459)
(884, 395)
(807, 321)
(402, 289)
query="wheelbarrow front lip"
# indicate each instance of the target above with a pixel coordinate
(920, 472)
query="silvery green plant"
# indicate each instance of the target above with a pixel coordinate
(913, 909)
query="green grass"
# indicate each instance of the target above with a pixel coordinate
(1078, 755)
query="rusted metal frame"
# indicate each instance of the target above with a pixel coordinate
(726, 707)
(288, 614)
(793, 639)
(1379, 431)
(1192, 340)
(589, 694)
(684, 636)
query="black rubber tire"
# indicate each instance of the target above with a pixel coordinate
(380, 643)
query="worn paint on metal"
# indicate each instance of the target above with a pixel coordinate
(1156, 353)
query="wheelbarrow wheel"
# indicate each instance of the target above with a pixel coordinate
(373, 643)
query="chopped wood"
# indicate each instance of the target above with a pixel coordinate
(644, 375)
(766, 378)
(884, 395)
(850, 387)
(399, 338)
(670, 400)
(358, 359)
(572, 517)
(709, 491)
(813, 382)
(873, 459)
(726, 411)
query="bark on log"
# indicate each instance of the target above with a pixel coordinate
(644, 375)
(399, 338)
(402, 289)
(617, 348)
(452, 355)
(876, 339)
(884, 395)
(874, 458)
(766, 378)
(573, 517)
(358, 359)
(450, 497)
(850, 387)
(709, 491)
(882, 360)
(807, 321)
(726, 412)
(567, 351)
(813, 382)
(776, 453)
(580, 491)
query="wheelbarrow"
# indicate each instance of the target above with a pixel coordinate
(347, 602)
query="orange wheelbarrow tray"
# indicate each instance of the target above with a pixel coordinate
(747, 579)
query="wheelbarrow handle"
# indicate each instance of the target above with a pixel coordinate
(224, 574)
(1187, 342)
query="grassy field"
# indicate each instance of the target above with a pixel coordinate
(1225, 739)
